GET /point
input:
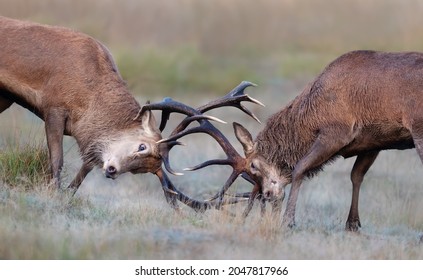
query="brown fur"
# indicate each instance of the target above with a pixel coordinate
(362, 103)
(70, 81)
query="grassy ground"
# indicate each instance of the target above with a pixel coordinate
(132, 221)
(192, 50)
(129, 218)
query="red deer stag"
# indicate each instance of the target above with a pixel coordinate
(362, 103)
(70, 81)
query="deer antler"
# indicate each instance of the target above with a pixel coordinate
(234, 98)
(237, 162)
(197, 205)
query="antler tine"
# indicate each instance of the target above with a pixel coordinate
(225, 187)
(164, 152)
(237, 162)
(168, 106)
(208, 163)
(233, 158)
(243, 175)
(234, 98)
(197, 205)
(183, 133)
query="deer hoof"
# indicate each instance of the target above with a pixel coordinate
(353, 225)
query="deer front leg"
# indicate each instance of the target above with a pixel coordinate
(55, 127)
(323, 149)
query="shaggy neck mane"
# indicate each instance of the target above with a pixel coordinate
(112, 112)
(290, 133)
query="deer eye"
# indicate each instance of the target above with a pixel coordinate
(253, 167)
(142, 147)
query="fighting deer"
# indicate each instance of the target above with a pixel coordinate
(234, 98)
(70, 81)
(362, 103)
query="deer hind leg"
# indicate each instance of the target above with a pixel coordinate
(417, 134)
(323, 149)
(360, 168)
(55, 127)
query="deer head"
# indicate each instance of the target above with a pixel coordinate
(268, 177)
(134, 150)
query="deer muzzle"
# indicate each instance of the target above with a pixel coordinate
(274, 190)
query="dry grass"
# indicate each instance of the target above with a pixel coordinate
(171, 48)
(129, 218)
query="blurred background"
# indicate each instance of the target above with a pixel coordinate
(168, 48)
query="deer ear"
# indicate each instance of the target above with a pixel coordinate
(148, 123)
(244, 137)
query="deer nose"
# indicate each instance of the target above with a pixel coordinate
(268, 194)
(111, 172)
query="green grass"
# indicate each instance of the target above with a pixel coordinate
(24, 164)
(296, 65)
(181, 70)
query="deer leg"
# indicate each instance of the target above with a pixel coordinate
(55, 127)
(323, 149)
(360, 168)
(417, 134)
(82, 173)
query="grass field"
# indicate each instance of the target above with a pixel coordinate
(129, 218)
(193, 51)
